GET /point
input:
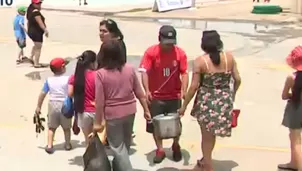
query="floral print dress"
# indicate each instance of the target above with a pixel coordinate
(213, 103)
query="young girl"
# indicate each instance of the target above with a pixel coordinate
(292, 119)
(82, 88)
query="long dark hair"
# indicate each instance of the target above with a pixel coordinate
(111, 56)
(297, 89)
(30, 9)
(113, 28)
(85, 62)
(212, 44)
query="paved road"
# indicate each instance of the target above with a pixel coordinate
(259, 143)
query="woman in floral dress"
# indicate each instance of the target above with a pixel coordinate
(213, 105)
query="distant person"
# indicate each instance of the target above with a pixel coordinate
(292, 119)
(165, 80)
(57, 88)
(82, 88)
(211, 78)
(85, 2)
(36, 30)
(20, 32)
(116, 88)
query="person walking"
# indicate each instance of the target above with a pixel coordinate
(85, 2)
(109, 30)
(57, 88)
(212, 73)
(81, 87)
(116, 88)
(20, 33)
(36, 29)
(292, 119)
(161, 68)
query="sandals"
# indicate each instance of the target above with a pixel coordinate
(68, 147)
(18, 61)
(200, 163)
(286, 167)
(49, 150)
(40, 66)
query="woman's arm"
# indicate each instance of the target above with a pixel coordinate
(236, 77)
(139, 93)
(38, 19)
(70, 90)
(289, 82)
(194, 83)
(99, 103)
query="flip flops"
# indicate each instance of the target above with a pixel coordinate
(286, 167)
(49, 150)
(40, 66)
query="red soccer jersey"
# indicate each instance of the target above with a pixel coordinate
(164, 69)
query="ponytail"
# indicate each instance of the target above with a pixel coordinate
(79, 86)
(215, 57)
(84, 63)
(297, 89)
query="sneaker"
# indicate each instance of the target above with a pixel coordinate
(177, 156)
(159, 156)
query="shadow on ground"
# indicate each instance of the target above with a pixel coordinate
(60, 147)
(78, 160)
(185, 154)
(219, 165)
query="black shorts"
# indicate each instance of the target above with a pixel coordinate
(21, 43)
(35, 36)
(158, 107)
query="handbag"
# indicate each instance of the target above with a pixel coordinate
(235, 115)
(68, 108)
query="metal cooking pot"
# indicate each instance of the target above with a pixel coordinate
(167, 126)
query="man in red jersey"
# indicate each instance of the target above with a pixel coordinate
(165, 80)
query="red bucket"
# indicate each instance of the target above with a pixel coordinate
(235, 115)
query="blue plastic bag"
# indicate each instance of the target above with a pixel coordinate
(67, 108)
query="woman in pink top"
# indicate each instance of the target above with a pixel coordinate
(116, 88)
(82, 87)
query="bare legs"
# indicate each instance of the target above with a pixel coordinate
(21, 54)
(85, 2)
(295, 146)
(50, 137)
(36, 53)
(207, 146)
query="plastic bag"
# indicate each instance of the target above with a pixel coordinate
(67, 108)
(95, 157)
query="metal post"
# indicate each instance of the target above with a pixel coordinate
(193, 5)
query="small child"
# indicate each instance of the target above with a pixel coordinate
(57, 88)
(20, 32)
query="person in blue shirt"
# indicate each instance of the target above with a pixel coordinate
(20, 32)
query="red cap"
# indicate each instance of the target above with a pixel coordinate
(294, 59)
(57, 62)
(36, 1)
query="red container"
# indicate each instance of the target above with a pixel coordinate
(235, 115)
